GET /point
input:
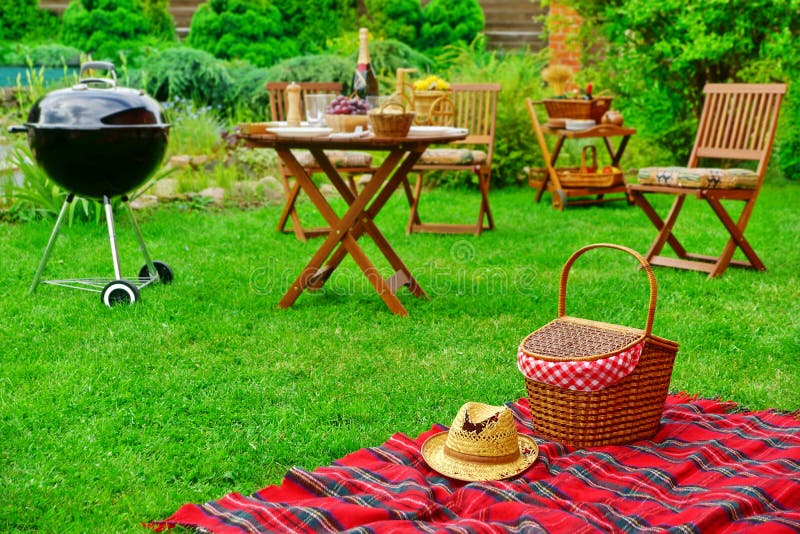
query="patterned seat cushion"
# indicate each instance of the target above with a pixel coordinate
(699, 178)
(452, 156)
(339, 158)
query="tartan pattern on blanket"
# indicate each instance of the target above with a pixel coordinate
(707, 470)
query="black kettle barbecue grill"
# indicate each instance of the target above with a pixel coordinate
(100, 141)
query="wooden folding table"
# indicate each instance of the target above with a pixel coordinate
(362, 209)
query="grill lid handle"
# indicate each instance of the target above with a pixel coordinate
(98, 65)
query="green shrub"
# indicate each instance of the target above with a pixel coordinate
(311, 23)
(394, 19)
(54, 55)
(323, 67)
(447, 22)
(162, 25)
(389, 55)
(195, 128)
(656, 56)
(788, 136)
(251, 30)
(518, 73)
(23, 20)
(251, 100)
(108, 28)
(187, 73)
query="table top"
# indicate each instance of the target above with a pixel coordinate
(346, 142)
(600, 130)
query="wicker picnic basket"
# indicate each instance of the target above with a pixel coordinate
(564, 108)
(593, 414)
(390, 120)
(588, 175)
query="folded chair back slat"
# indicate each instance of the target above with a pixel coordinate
(738, 124)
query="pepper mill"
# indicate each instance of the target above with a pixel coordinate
(293, 115)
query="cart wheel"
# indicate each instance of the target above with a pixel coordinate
(163, 270)
(119, 292)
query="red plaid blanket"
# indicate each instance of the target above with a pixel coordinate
(707, 470)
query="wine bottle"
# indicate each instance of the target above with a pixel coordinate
(365, 84)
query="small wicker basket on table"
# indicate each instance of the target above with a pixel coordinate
(563, 108)
(390, 120)
(625, 411)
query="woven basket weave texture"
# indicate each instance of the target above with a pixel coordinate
(621, 413)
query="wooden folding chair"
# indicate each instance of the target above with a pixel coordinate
(349, 163)
(738, 122)
(475, 108)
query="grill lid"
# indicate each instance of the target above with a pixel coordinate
(96, 103)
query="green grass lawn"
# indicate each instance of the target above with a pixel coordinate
(112, 417)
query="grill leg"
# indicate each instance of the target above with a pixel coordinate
(147, 259)
(49, 248)
(112, 236)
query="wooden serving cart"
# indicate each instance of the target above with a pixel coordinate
(574, 186)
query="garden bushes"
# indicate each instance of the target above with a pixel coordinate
(188, 73)
(104, 28)
(242, 29)
(656, 57)
(394, 19)
(22, 19)
(447, 22)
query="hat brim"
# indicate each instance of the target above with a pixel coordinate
(433, 453)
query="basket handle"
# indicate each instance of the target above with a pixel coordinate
(562, 292)
(584, 166)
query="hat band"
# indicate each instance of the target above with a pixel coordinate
(474, 458)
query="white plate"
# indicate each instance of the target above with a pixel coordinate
(425, 131)
(577, 125)
(288, 131)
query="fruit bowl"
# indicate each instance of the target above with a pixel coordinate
(347, 114)
(346, 123)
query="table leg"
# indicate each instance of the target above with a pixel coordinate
(366, 225)
(616, 155)
(345, 230)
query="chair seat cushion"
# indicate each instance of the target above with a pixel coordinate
(339, 158)
(452, 156)
(699, 177)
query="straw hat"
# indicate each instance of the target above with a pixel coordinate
(482, 444)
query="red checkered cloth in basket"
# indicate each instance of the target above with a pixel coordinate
(581, 375)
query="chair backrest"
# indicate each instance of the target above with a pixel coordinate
(738, 122)
(277, 95)
(475, 108)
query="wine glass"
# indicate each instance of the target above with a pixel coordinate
(316, 104)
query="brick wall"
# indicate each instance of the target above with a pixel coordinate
(563, 24)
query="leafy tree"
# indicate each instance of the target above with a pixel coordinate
(22, 19)
(252, 30)
(161, 22)
(447, 22)
(394, 19)
(658, 55)
(103, 28)
(312, 22)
